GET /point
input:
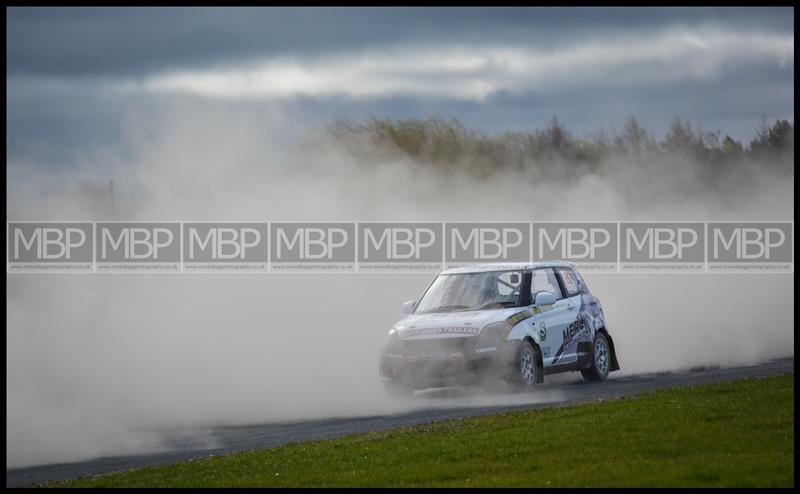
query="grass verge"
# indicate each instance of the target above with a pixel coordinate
(730, 434)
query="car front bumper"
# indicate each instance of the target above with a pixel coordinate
(449, 369)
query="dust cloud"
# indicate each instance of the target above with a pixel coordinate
(98, 364)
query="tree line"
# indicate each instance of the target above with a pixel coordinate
(443, 142)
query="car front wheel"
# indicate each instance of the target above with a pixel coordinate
(527, 368)
(601, 360)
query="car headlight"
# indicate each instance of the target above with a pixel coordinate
(492, 336)
(391, 341)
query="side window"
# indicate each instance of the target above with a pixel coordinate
(544, 279)
(570, 281)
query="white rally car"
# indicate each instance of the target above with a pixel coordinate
(517, 321)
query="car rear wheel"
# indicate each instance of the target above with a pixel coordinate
(527, 368)
(601, 360)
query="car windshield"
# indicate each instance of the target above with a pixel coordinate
(472, 291)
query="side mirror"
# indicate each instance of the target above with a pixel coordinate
(545, 298)
(408, 307)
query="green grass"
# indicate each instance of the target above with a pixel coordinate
(730, 434)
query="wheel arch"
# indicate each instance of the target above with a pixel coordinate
(614, 361)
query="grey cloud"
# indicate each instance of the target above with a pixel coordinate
(140, 41)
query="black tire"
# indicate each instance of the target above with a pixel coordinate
(526, 368)
(398, 390)
(601, 360)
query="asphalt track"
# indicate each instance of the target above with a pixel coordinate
(424, 407)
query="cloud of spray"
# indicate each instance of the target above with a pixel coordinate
(98, 363)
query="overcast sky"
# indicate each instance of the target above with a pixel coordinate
(72, 74)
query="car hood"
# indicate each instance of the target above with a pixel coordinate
(450, 324)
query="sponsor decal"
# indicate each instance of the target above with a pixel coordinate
(520, 316)
(542, 331)
(544, 308)
(579, 329)
(470, 331)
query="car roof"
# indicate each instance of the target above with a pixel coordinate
(508, 266)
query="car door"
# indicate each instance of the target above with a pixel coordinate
(550, 321)
(574, 326)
